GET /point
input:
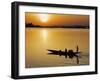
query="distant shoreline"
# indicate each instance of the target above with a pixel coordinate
(61, 27)
(30, 25)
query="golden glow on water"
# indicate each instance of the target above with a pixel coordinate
(38, 40)
(44, 34)
(39, 36)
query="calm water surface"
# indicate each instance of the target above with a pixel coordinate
(38, 40)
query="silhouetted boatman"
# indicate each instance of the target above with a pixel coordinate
(66, 53)
(65, 50)
(70, 54)
(60, 52)
(77, 48)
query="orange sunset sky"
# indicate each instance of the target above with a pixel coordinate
(47, 19)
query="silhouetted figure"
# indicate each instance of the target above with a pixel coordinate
(60, 52)
(77, 48)
(66, 53)
(65, 50)
(70, 53)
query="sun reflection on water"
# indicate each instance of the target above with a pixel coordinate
(44, 34)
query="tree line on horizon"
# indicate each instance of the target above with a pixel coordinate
(30, 25)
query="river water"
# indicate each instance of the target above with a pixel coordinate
(38, 40)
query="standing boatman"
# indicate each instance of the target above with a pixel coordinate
(77, 48)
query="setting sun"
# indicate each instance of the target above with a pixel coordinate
(43, 17)
(50, 35)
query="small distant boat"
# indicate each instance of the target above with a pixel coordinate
(66, 53)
